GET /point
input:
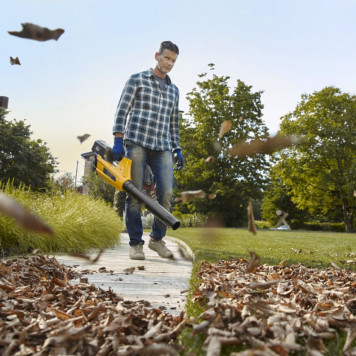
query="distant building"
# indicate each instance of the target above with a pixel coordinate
(4, 102)
(89, 158)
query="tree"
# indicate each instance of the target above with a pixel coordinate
(277, 197)
(22, 160)
(233, 180)
(321, 171)
(65, 182)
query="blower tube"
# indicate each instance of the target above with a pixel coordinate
(153, 206)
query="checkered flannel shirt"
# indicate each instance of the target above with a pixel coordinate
(148, 115)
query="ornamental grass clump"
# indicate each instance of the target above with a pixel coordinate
(80, 223)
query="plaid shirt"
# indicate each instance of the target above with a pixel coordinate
(148, 115)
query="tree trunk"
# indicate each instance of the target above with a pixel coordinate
(348, 217)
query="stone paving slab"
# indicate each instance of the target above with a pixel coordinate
(162, 282)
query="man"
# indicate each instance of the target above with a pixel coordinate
(146, 131)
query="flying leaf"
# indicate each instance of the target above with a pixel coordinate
(210, 159)
(185, 196)
(269, 145)
(225, 127)
(255, 261)
(15, 61)
(38, 33)
(251, 219)
(23, 218)
(83, 137)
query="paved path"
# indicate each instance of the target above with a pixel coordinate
(160, 281)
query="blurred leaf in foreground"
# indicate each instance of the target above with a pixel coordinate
(23, 218)
(38, 33)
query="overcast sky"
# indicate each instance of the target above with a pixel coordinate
(70, 87)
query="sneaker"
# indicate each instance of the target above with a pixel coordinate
(160, 247)
(136, 252)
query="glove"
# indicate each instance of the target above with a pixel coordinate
(178, 159)
(118, 151)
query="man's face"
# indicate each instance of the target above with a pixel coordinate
(166, 60)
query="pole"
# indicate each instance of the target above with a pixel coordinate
(76, 174)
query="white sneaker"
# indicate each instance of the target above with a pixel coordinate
(136, 252)
(160, 247)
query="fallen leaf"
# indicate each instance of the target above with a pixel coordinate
(129, 270)
(38, 33)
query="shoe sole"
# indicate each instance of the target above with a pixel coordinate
(137, 258)
(159, 254)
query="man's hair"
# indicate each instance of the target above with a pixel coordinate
(168, 45)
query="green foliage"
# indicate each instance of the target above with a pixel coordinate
(260, 224)
(80, 223)
(98, 188)
(320, 172)
(22, 160)
(277, 197)
(233, 180)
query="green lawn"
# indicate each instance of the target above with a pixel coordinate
(316, 249)
(312, 249)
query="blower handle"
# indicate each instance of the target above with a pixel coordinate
(152, 205)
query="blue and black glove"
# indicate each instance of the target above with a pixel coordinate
(118, 151)
(178, 159)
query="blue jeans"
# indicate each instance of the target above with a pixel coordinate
(161, 164)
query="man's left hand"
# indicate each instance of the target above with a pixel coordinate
(178, 159)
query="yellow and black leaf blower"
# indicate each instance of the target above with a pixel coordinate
(119, 176)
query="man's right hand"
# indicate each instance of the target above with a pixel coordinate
(118, 151)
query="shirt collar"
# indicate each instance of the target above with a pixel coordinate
(149, 73)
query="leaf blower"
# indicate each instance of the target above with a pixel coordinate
(119, 176)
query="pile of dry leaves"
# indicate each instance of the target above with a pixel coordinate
(277, 310)
(269, 310)
(41, 313)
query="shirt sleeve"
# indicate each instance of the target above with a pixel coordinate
(124, 105)
(174, 124)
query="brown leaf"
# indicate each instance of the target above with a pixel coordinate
(83, 138)
(14, 61)
(225, 127)
(23, 217)
(269, 145)
(263, 285)
(210, 159)
(129, 270)
(38, 33)
(61, 315)
(186, 196)
(251, 219)
(255, 261)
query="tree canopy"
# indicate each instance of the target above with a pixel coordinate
(23, 160)
(320, 172)
(231, 180)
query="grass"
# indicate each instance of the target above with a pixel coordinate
(316, 249)
(80, 223)
(312, 249)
